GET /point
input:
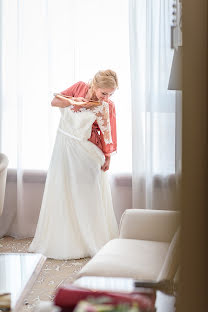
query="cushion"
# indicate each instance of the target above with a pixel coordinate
(128, 258)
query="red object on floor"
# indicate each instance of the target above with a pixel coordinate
(67, 297)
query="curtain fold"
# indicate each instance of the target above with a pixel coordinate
(153, 106)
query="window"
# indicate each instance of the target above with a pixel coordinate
(46, 47)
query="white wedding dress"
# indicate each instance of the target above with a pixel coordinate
(76, 217)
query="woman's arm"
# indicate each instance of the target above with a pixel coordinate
(60, 102)
(71, 91)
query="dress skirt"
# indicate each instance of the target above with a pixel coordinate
(76, 217)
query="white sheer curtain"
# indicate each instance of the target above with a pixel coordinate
(153, 106)
(47, 45)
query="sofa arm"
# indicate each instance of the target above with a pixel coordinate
(153, 225)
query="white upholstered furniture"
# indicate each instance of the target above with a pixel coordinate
(147, 247)
(3, 174)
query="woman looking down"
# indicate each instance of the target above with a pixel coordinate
(76, 217)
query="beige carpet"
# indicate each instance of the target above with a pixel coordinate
(53, 274)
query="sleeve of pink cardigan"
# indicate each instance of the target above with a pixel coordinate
(74, 89)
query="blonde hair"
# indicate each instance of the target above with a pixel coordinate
(104, 79)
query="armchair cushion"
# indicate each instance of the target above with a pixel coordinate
(128, 258)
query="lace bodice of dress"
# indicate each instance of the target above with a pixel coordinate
(79, 123)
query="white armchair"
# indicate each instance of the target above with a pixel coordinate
(147, 247)
(3, 174)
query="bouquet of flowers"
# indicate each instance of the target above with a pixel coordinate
(72, 298)
(104, 304)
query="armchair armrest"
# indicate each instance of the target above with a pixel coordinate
(144, 224)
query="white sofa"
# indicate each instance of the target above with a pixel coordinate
(147, 247)
(3, 174)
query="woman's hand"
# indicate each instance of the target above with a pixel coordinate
(85, 103)
(106, 164)
(79, 99)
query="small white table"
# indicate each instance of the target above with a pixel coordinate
(18, 272)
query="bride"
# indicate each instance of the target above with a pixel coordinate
(76, 217)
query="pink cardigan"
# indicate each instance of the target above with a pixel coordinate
(80, 89)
